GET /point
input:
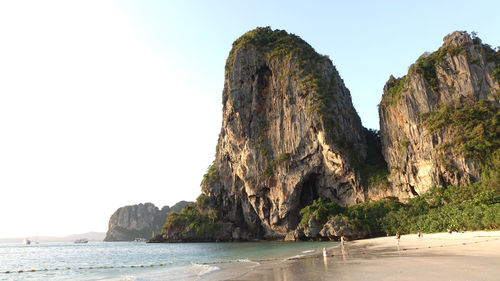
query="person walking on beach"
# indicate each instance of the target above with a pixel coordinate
(342, 240)
(398, 237)
(324, 252)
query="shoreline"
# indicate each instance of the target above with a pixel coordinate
(437, 256)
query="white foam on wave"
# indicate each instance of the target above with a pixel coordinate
(308, 251)
(204, 269)
(247, 260)
(132, 278)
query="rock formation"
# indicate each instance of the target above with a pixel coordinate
(138, 221)
(290, 134)
(338, 227)
(462, 72)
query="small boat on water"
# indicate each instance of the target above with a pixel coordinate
(81, 241)
(26, 241)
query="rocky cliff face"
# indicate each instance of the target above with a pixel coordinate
(138, 221)
(289, 135)
(462, 72)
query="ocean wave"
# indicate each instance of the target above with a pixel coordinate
(308, 251)
(247, 260)
(133, 278)
(204, 269)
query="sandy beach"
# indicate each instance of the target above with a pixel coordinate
(438, 256)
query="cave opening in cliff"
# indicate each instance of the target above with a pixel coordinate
(308, 193)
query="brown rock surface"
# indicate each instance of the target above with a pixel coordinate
(337, 227)
(290, 134)
(138, 221)
(460, 72)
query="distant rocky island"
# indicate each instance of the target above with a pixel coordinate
(294, 162)
(139, 221)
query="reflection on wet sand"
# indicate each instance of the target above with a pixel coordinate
(314, 267)
(344, 253)
(467, 257)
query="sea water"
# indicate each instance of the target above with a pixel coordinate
(140, 261)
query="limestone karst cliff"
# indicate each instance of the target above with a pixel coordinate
(290, 134)
(138, 221)
(423, 152)
(291, 138)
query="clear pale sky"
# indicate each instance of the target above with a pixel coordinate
(110, 103)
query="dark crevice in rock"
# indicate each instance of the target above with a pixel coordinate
(239, 215)
(263, 76)
(412, 189)
(239, 218)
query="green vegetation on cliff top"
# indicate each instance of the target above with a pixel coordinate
(395, 87)
(321, 89)
(290, 48)
(424, 66)
(275, 43)
(427, 63)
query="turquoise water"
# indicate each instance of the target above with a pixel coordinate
(141, 261)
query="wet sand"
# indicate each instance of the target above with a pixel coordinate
(439, 256)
